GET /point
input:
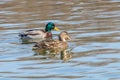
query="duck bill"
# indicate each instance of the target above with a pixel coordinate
(69, 38)
(56, 28)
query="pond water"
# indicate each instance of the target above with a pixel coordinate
(93, 25)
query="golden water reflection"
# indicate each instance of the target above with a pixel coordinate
(64, 55)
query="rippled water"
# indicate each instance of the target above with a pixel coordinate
(94, 26)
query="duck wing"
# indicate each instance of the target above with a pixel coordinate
(35, 33)
(50, 44)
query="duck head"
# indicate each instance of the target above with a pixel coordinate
(64, 36)
(51, 26)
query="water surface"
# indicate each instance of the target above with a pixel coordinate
(94, 26)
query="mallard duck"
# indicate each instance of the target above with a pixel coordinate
(38, 33)
(51, 44)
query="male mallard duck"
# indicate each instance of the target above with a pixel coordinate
(54, 44)
(39, 34)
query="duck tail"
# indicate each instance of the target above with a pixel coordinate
(22, 35)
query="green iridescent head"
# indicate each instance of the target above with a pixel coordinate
(50, 26)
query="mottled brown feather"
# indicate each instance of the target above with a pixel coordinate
(53, 44)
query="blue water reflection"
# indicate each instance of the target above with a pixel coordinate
(93, 27)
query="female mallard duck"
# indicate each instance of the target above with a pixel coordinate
(54, 44)
(39, 34)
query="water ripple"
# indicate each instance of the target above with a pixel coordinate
(93, 26)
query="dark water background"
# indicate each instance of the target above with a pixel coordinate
(94, 26)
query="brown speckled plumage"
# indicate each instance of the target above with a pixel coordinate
(54, 44)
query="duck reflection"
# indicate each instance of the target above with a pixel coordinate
(64, 55)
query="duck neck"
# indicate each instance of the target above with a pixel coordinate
(49, 35)
(61, 38)
(47, 30)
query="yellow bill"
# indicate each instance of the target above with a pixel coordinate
(57, 29)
